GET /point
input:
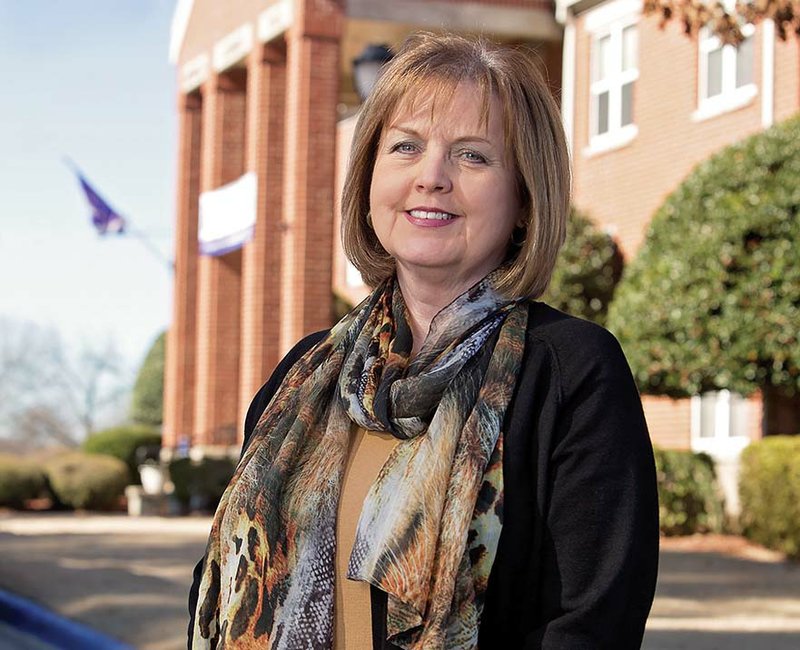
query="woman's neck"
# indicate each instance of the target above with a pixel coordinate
(424, 299)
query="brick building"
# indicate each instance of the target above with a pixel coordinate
(265, 87)
(642, 106)
(265, 98)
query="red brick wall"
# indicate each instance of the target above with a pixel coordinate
(312, 91)
(669, 143)
(277, 119)
(622, 188)
(755, 416)
(181, 340)
(669, 421)
(261, 264)
(787, 74)
(219, 278)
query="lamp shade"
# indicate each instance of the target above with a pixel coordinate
(367, 68)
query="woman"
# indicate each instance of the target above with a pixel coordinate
(453, 465)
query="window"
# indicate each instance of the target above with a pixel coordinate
(719, 422)
(614, 73)
(726, 74)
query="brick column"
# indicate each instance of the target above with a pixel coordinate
(219, 278)
(179, 373)
(312, 89)
(261, 263)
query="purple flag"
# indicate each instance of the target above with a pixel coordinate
(104, 217)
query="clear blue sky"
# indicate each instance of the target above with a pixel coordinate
(90, 80)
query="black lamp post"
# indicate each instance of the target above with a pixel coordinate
(367, 68)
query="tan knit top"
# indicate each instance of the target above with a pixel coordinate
(352, 612)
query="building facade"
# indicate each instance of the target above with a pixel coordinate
(265, 102)
(643, 105)
(265, 88)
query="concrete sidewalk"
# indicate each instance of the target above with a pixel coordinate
(123, 576)
(718, 592)
(129, 577)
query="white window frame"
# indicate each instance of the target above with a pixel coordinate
(609, 20)
(731, 97)
(721, 444)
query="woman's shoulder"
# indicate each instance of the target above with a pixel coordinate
(576, 347)
(294, 355)
(267, 390)
(562, 330)
(303, 346)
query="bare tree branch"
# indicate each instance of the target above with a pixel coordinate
(695, 14)
(47, 394)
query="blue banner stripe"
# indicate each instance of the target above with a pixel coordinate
(46, 627)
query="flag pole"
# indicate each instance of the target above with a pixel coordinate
(69, 162)
(142, 237)
(95, 199)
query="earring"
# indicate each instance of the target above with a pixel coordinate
(518, 236)
(369, 220)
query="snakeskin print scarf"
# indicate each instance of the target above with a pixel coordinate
(429, 526)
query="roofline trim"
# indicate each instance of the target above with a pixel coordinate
(177, 31)
(565, 7)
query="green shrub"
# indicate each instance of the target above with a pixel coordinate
(122, 443)
(769, 490)
(201, 483)
(689, 500)
(20, 480)
(587, 272)
(147, 401)
(712, 299)
(87, 481)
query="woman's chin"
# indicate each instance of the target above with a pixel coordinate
(432, 264)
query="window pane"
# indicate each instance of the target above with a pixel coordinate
(602, 113)
(714, 80)
(602, 54)
(629, 48)
(744, 62)
(739, 415)
(708, 415)
(627, 104)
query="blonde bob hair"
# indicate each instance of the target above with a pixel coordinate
(432, 65)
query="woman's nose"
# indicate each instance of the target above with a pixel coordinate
(433, 173)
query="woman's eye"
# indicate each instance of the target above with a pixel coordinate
(404, 147)
(472, 156)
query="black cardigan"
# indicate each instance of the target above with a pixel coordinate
(577, 557)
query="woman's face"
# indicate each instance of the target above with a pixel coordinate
(443, 197)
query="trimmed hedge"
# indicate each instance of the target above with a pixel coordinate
(87, 481)
(712, 299)
(122, 443)
(769, 491)
(689, 500)
(200, 484)
(587, 272)
(20, 480)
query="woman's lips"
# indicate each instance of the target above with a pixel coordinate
(429, 217)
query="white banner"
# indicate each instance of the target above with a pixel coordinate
(227, 216)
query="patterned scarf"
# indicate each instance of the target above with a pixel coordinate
(429, 526)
